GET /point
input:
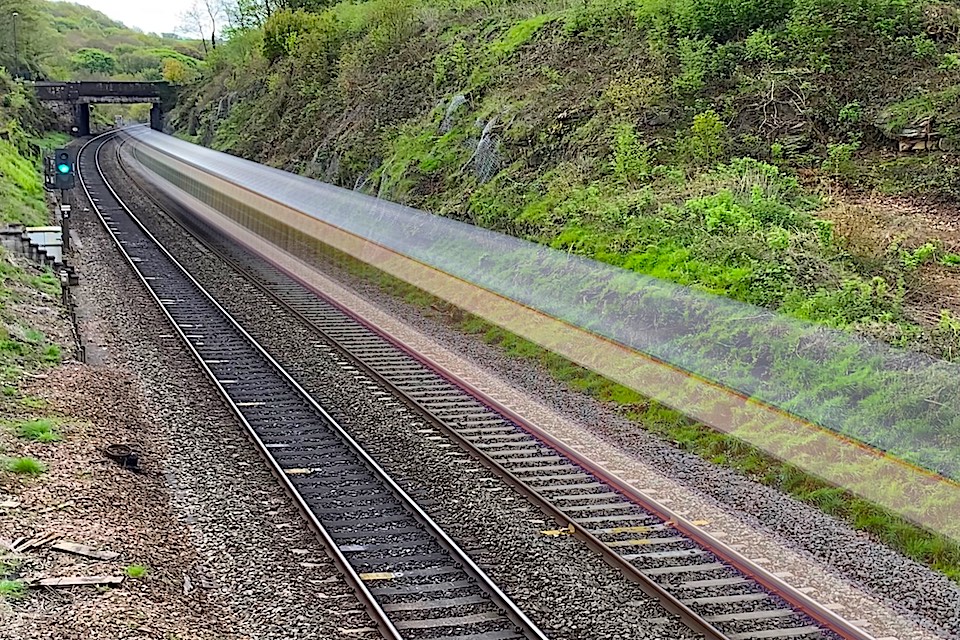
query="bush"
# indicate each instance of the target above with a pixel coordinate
(284, 30)
(595, 18)
(695, 58)
(950, 62)
(94, 61)
(721, 211)
(850, 114)
(631, 160)
(705, 142)
(721, 20)
(924, 48)
(452, 66)
(820, 20)
(839, 162)
(760, 47)
(751, 195)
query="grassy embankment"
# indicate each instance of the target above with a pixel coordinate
(24, 349)
(703, 142)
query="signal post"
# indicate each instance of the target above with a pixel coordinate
(60, 175)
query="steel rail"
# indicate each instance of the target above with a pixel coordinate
(381, 619)
(669, 602)
(825, 617)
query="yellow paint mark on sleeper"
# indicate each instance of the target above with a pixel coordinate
(383, 575)
(639, 529)
(566, 531)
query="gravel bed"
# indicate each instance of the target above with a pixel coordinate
(866, 579)
(256, 554)
(561, 585)
(88, 499)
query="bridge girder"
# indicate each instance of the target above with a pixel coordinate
(80, 95)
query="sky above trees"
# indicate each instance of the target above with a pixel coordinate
(156, 17)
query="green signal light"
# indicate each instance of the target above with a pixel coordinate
(63, 168)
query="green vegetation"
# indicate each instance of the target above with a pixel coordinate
(663, 136)
(703, 142)
(66, 41)
(22, 145)
(12, 589)
(25, 466)
(137, 571)
(41, 430)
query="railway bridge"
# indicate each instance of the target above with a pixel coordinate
(78, 96)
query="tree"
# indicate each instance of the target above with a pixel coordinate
(94, 61)
(245, 14)
(174, 71)
(214, 12)
(29, 38)
(194, 24)
(308, 5)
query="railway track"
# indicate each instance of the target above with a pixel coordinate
(713, 589)
(414, 581)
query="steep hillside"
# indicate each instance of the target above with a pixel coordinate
(22, 142)
(66, 41)
(740, 146)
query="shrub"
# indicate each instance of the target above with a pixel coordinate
(631, 160)
(319, 48)
(729, 19)
(924, 48)
(94, 61)
(595, 18)
(850, 114)
(629, 96)
(707, 133)
(284, 30)
(839, 162)
(695, 57)
(921, 255)
(452, 65)
(760, 47)
(950, 61)
(721, 20)
(721, 212)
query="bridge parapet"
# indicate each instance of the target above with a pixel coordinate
(80, 95)
(91, 92)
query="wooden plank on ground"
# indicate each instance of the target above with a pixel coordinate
(76, 581)
(84, 550)
(22, 544)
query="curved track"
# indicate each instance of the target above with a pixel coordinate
(372, 529)
(712, 588)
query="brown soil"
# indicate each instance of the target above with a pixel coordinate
(86, 498)
(870, 224)
(89, 499)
